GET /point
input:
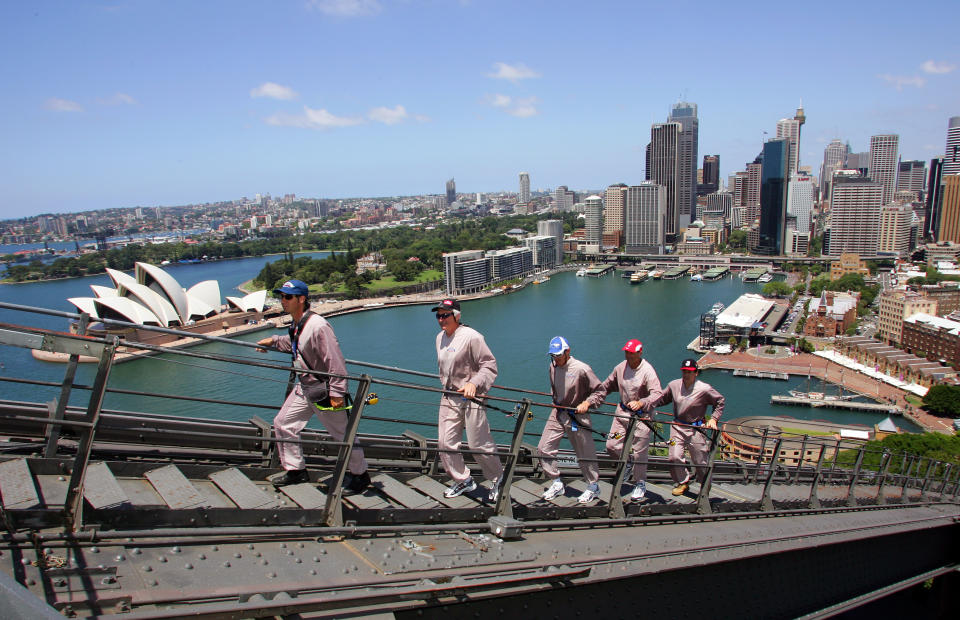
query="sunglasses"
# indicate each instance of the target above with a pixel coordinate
(443, 315)
(287, 296)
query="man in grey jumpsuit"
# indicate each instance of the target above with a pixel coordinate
(571, 384)
(314, 346)
(690, 399)
(466, 366)
(639, 387)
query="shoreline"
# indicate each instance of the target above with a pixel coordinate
(831, 372)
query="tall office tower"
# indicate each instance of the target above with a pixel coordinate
(910, 176)
(686, 114)
(883, 163)
(737, 217)
(738, 187)
(934, 199)
(554, 228)
(524, 188)
(951, 155)
(859, 162)
(800, 201)
(613, 210)
(720, 203)
(645, 210)
(789, 129)
(563, 199)
(451, 192)
(593, 222)
(773, 197)
(752, 190)
(834, 158)
(711, 175)
(664, 163)
(854, 216)
(949, 224)
(895, 221)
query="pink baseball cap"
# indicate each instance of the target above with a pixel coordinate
(633, 346)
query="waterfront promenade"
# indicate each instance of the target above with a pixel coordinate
(814, 366)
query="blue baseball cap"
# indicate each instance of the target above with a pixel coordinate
(293, 287)
(558, 345)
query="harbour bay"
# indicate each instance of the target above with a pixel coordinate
(597, 315)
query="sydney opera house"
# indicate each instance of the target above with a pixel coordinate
(153, 297)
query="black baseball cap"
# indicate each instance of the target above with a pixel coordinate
(688, 364)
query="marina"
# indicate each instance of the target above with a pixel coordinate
(820, 400)
(754, 274)
(715, 273)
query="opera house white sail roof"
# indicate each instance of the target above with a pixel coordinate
(154, 297)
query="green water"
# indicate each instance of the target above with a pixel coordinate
(596, 315)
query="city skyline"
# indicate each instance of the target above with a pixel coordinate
(140, 104)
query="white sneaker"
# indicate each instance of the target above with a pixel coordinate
(494, 490)
(554, 490)
(590, 494)
(459, 488)
(639, 491)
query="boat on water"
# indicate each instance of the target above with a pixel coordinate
(765, 278)
(638, 276)
(581, 273)
(696, 277)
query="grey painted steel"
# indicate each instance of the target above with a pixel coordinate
(101, 488)
(401, 493)
(504, 507)
(53, 430)
(333, 507)
(766, 502)
(615, 506)
(305, 495)
(19, 603)
(16, 485)
(884, 466)
(854, 478)
(174, 488)
(241, 490)
(703, 497)
(813, 502)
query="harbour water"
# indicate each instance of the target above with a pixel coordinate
(596, 315)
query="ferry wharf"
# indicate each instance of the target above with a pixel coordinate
(806, 364)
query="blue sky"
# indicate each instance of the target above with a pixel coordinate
(120, 103)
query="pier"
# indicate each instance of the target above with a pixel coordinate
(754, 274)
(761, 374)
(715, 273)
(675, 273)
(835, 403)
(596, 272)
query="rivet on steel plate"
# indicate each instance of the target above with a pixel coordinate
(175, 550)
(237, 555)
(94, 550)
(119, 558)
(147, 568)
(136, 551)
(226, 564)
(188, 566)
(162, 558)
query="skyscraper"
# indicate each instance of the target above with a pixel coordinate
(711, 175)
(685, 113)
(883, 163)
(895, 220)
(834, 158)
(789, 130)
(451, 192)
(773, 197)
(613, 209)
(949, 221)
(524, 197)
(645, 209)
(854, 216)
(951, 155)
(934, 199)
(563, 199)
(664, 163)
(593, 222)
(911, 176)
(800, 201)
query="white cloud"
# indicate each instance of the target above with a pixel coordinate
(522, 107)
(346, 8)
(118, 99)
(62, 105)
(899, 81)
(273, 91)
(937, 67)
(388, 116)
(513, 73)
(312, 119)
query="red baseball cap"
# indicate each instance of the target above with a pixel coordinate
(633, 346)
